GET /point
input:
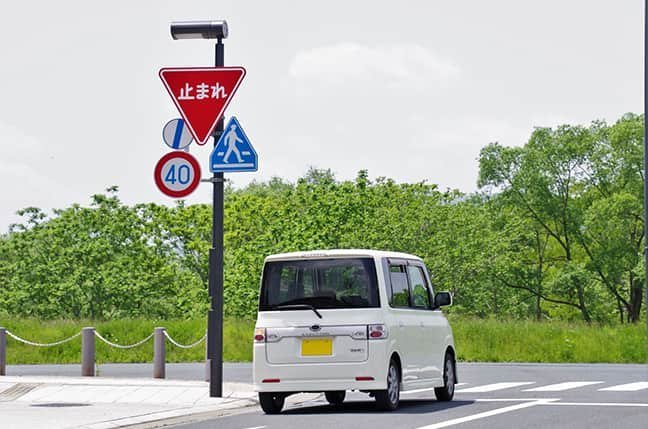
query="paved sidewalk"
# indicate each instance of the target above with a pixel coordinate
(98, 403)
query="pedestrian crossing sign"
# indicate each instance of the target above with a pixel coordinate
(233, 151)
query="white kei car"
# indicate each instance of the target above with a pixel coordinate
(336, 320)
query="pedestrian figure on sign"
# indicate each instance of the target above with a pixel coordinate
(231, 138)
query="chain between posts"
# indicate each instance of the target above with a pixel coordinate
(182, 346)
(110, 343)
(31, 343)
(88, 335)
(119, 346)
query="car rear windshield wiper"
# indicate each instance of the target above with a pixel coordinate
(297, 307)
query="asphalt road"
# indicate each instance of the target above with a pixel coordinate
(493, 395)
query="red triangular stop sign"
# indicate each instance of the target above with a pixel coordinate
(202, 95)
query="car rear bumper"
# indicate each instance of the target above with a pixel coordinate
(321, 377)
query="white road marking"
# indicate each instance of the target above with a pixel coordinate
(554, 401)
(630, 387)
(5, 386)
(562, 386)
(493, 387)
(257, 427)
(428, 389)
(485, 414)
(516, 399)
(600, 404)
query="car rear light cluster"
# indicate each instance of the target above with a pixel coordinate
(261, 335)
(377, 332)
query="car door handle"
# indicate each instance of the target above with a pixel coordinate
(401, 324)
(422, 324)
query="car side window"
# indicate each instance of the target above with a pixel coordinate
(420, 291)
(400, 293)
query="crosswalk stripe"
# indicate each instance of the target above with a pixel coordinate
(562, 386)
(493, 387)
(485, 414)
(630, 387)
(5, 386)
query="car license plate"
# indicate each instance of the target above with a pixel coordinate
(317, 347)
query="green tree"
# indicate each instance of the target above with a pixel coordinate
(580, 190)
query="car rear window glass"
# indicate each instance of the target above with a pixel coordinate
(322, 283)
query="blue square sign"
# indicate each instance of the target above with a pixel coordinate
(233, 151)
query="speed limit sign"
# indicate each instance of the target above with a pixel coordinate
(177, 174)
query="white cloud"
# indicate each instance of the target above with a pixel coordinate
(387, 67)
(23, 173)
(14, 144)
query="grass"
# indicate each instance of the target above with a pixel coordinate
(477, 340)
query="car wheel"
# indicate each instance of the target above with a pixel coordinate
(388, 400)
(446, 392)
(271, 403)
(335, 398)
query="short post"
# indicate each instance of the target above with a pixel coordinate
(159, 353)
(3, 351)
(88, 352)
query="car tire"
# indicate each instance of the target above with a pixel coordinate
(446, 393)
(388, 400)
(336, 397)
(271, 403)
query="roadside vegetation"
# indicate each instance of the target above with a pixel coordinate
(553, 235)
(477, 340)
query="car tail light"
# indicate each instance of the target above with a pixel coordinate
(377, 332)
(259, 335)
(271, 380)
(364, 379)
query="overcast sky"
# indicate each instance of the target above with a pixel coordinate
(409, 90)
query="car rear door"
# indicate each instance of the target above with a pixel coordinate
(342, 294)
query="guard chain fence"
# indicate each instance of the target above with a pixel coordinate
(182, 346)
(119, 346)
(32, 343)
(88, 361)
(108, 342)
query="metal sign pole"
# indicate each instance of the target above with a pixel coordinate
(646, 159)
(215, 319)
(198, 120)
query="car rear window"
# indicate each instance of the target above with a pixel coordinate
(322, 283)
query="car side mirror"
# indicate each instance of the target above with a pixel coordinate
(442, 299)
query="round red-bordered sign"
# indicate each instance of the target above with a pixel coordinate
(177, 174)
